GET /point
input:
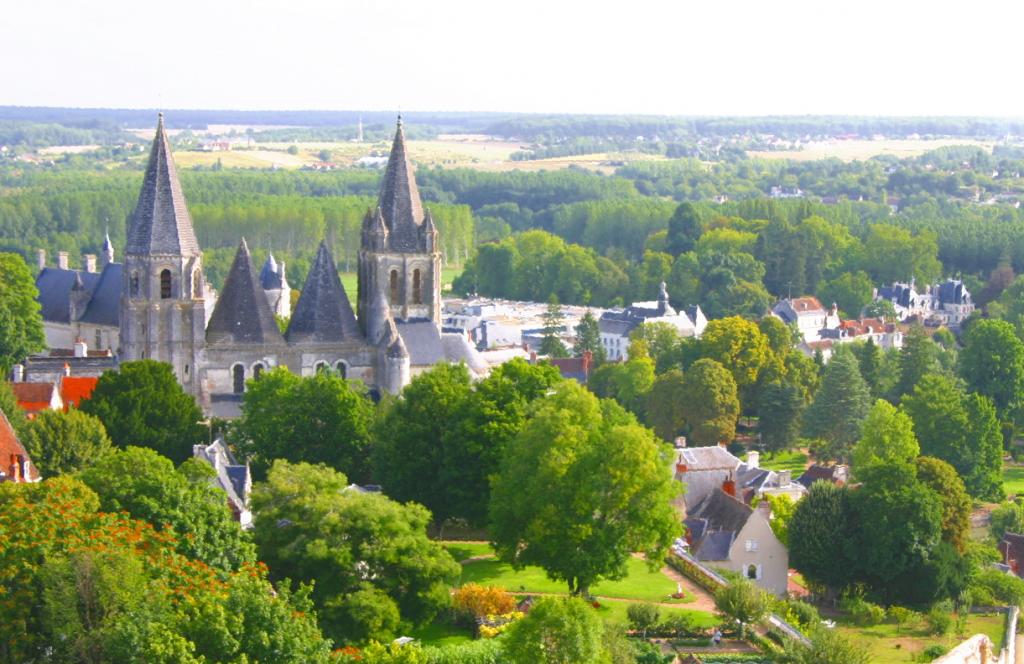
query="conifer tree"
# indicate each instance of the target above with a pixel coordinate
(840, 406)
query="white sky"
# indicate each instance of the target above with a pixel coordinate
(895, 57)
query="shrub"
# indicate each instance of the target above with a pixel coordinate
(901, 615)
(940, 618)
(678, 624)
(996, 587)
(801, 613)
(862, 611)
(933, 651)
(643, 616)
(474, 652)
(474, 601)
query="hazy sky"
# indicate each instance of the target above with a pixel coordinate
(672, 57)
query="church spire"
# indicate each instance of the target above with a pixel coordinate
(399, 200)
(242, 314)
(161, 223)
(323, 312)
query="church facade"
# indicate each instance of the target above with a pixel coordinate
(215, 343)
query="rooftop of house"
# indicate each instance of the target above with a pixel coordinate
(837, 474)
(14, 460)
(75, 389)
(716, 519)
(34, 397)
(712, 457)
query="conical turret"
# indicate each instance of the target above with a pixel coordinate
(323, 312)
(400, 197)
(429, 232)
(108, 250)
(242, 314)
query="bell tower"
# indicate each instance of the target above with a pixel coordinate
(162, 307)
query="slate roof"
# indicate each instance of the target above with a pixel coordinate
(1012, 549)
(323, 312)
(714, 523)
(270, 274)
(422, 338)
(457, 348)
(161, 223)
(54, 286)
(953, 291)
(242, 314)
(817, 473)
(712, 457)
(715, 546)
(105, 304)
(400, 198)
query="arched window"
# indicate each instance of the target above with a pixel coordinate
(165, 285)
(394, 286)
(238, 378)
(752, 572)
(197, 284)
(321, 367)
(257, 370)
(417, 291)
(135, 284)
(342, 370)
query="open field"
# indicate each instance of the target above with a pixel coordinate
(1013, 480)
(886, 646)
(859, 150)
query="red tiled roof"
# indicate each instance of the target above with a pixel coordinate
(33, 397)
(13, 456)
(73, 389)
(806, 303)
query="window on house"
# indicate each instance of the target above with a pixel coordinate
(751, 545)
(99, 340)
(394, 286)
(341, 369)
(238, 378)
(417, 294)
(753, 572)
(165, 285)
(257, 370)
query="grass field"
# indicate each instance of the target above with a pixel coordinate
(795, 461)
(1013, 479)
(886, 646)
(463, 550)
(859, 150)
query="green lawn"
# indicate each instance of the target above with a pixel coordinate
(639, 584)
(440, 634)
(464, 550)
(1013, 479)
(616, 612)
(887, 647)
(795, 461)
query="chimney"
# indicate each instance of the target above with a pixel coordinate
(753, 459)
(67, 367)
(62, 260)
(89, 262)
(729, 487)
(81, 348)
(785, 477)
(588, 357)
(18, 373)
(41, 258)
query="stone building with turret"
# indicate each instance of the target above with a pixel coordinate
(166, 311)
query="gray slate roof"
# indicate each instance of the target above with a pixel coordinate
(714, 523)
(270, 274)
(422, 339)
(400, 198)
(54, 285)
(242, 313)
(161, 223)
(105, 305)
(323, 312)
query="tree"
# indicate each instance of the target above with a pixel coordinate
(817, 529)
(143, 404)
(887, 438)
(992, 363)
(145, 485)
(710, 404)
(662, 342)
(840, 405)
(64, 442)
(738, 345)
(893, 254)
(643, 616)
(319, 419)
(883, 309)
(588, 338)
(21, 323)
(780, 406)
(9, 406)
(554, 320)
(556, 631)
(684, 229)
(783, 509)
(942, 478)
(960, 429)
(564, 457)
(851, 291)
(919, 356)
(664, 408)
(1007, 518)
(827, 647)
(374, 567)
(743, 602)
(869, 359)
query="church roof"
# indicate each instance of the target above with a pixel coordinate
(242, 314)
(105, 304)
(55, 284)
(270, 274)
(323, 312)
(400, 198)
(161, 223)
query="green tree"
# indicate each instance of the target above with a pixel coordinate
(710, 404)
(817, 531)
(742, 602)
(554, 322)
(145, 485)
(684, 229)
(374, 567)
(992, 363)
(942, 478)
(918, 356)
(10, 408)
(319, 419)
(143, 404)
(781, 406)
(63, 442)
(664, 409)
(557, 631)
(563, 456)
(961, 429)
(869, 359)
(887, 438)
(840, 405)
(21, 323)
(783, 509)
(662, 342)
(827, 647)
(893, 254)
(1007, 518)
(643, 616)
(738, 345)
(851, 291)
(588, 338)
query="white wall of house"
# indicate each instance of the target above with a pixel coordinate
(758, 553)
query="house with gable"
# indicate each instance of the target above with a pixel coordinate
(806, 314)
(703, 470)
(723, 531)
(616, 326)
(233, 478)
(15, 465)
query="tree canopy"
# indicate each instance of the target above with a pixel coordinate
(61, 442)
(21, 323)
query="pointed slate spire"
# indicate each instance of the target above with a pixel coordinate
(161, 223)
(242, 314)
(323, 312)
(108, 249)
(399, 197)
(270, 275)
(375, 232)
(429, 230)
(397, 348)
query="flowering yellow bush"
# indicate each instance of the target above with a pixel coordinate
(494, 625)
(476, 601)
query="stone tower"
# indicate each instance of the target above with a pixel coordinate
(399, 256)
(162, 307)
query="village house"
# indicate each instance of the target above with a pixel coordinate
(947, 303)
(704, 470)
(15, 465)
(234, 478)
(807, 315)
(616, 326)
(838, 474)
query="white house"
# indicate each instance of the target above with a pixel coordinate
(616, 325)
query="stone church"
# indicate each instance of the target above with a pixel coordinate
(215, 343)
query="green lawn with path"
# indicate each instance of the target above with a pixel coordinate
(465, 550)
(887, 647)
